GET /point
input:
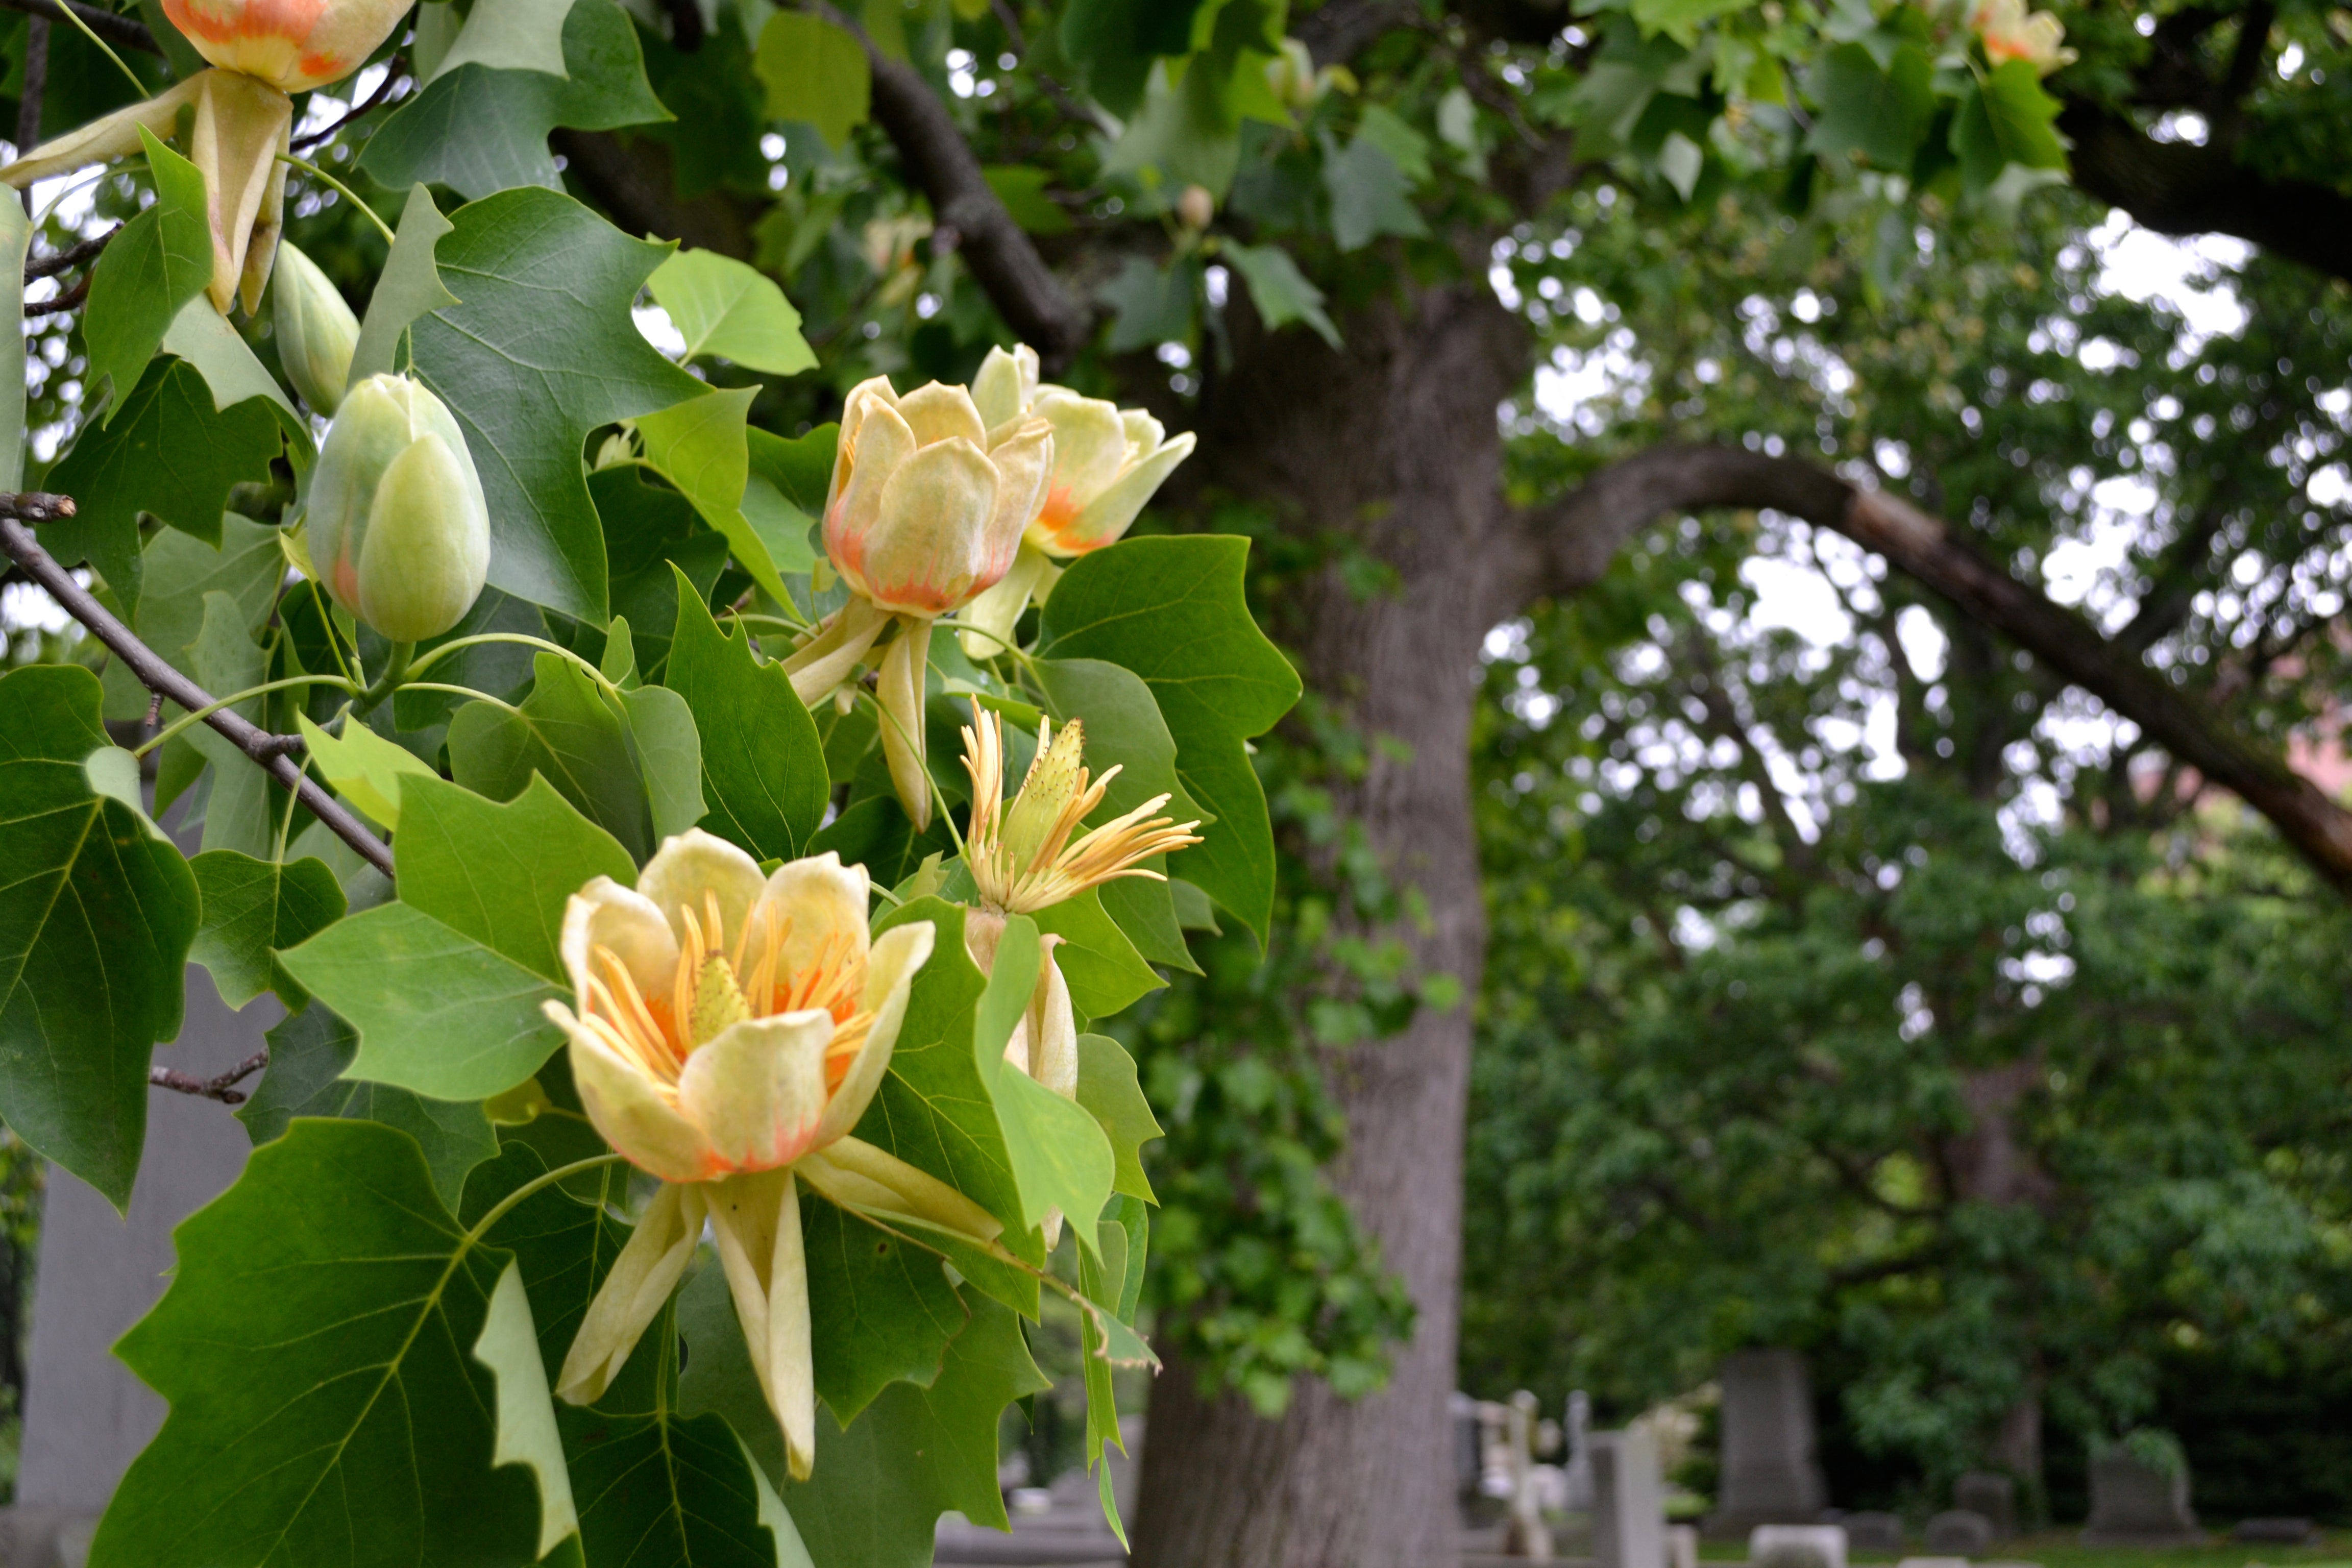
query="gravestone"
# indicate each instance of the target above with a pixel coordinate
(1958, 1533)
(1796, 1546)
(1461, 1413)
(1875, 1534)
(86, 1417)
(1770, 1475)
(1526, 1535)
(1578, 1483)
(1629, 1501)
(2135, 1503)
(1992, 1494)
(2274, 1531)
(1682, 1546)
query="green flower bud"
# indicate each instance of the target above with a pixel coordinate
(397, 524)
(316, 330)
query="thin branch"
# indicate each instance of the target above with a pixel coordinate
(71, 257)
(1566, 546)
(266, 750)
(65, 301)
(394, 74)
(221, 1088)
(114, 27)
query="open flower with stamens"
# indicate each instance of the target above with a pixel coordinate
(727, 1032)
(1025, 858)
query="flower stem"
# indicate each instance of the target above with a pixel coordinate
(137, 86)
(395, 673)
(506, 1205)
(381, 228)
(199, 715)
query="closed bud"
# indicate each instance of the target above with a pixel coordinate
(316, 330)
(397, 524)
(1196, 206)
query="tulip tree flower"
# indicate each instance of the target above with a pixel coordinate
(317, 332)
(261, 51)
(2011, 33)
(925, 513)
(1030, 856)
(727, 1031)
(396, 519)
(1108, 462)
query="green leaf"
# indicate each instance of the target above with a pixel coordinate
(527, 1434)
(724, 308)
(368, 771)
(801, 470)
(410, 286)
(1022, 188)
(160, 260)
(814, 72)
(669, 755)
(880, 1310)
(169, 453)
(502, 874)
(1280, 290)
(180, 570)
(16, 237)
(437, 1011)
(1173, 610)
(649, 528)
(541, 351)
(2008, 120)
(1116, 41)
(239, 812)
(334, 1270)
(1371, 196)
(1108, 1088)
(570, 733)
(1680, 19)
(1148, 306)
(1879, 114)
(763, 771)
(251, 908)
(934, 1110)
(563, 1235)
(1181, 136)
(203, 336)
(1406, 148)
(510, 34)
(1105, 973)
(1060, 1158)
(480, 130)
(308, 1054)
(875, 833)
(700, 447)
(96, 915)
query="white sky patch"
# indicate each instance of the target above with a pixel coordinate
(1793, 596)
(655, 327)
(2141, 265)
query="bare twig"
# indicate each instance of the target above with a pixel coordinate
(72, 255)
(221, 1088)
(65, 301)
(114, 27)
(393, 75)
(266, 750)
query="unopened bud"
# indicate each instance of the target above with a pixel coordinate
(397, 523)
(1196, 206)
(316, 330)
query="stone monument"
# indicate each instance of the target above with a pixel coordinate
(1524, 1535)
(86, 1417)
(1873, 1535)
(1992, 1494)
(1770, 1475)
(2136, 1503)
(1958, 1533)
(1629, 1506)
(1796, 1546)
(1578, 1485)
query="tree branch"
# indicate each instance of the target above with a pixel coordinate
(221, 1088)
(2177, 187)
(967, 212)
(267, 750)
(128, 32)
(1567, 544)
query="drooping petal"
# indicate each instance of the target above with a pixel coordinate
(898, 953)
(824, 902)
(996, 613)
(105, 138)
(756, 1221)
(692, 864)
(241, 124)
(824, 661)
(630, 1110)
(1054, 1028)
(641, 1279)
(856, 1175)
(1111, 513)
(757, 1092)
(1006, 384)
(606, 914)
(935, 412)
(900, 694)
(268, 224)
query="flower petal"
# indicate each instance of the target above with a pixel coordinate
(1024, 462)
(898, 953)
(606, 914)
(1112, 512)
(633, 1293)
(103, 140)
(898, 693)
(632, 1112)
(929, 548)
(1090, 444)
(694, 863)
(756, 1221)
(756, 1091)
(1006, 384)
(935, 412)
(1054, 1028)
(862, 469)
(855, 1173)
(824, 901)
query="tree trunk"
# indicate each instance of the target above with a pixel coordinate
(1392, 445)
